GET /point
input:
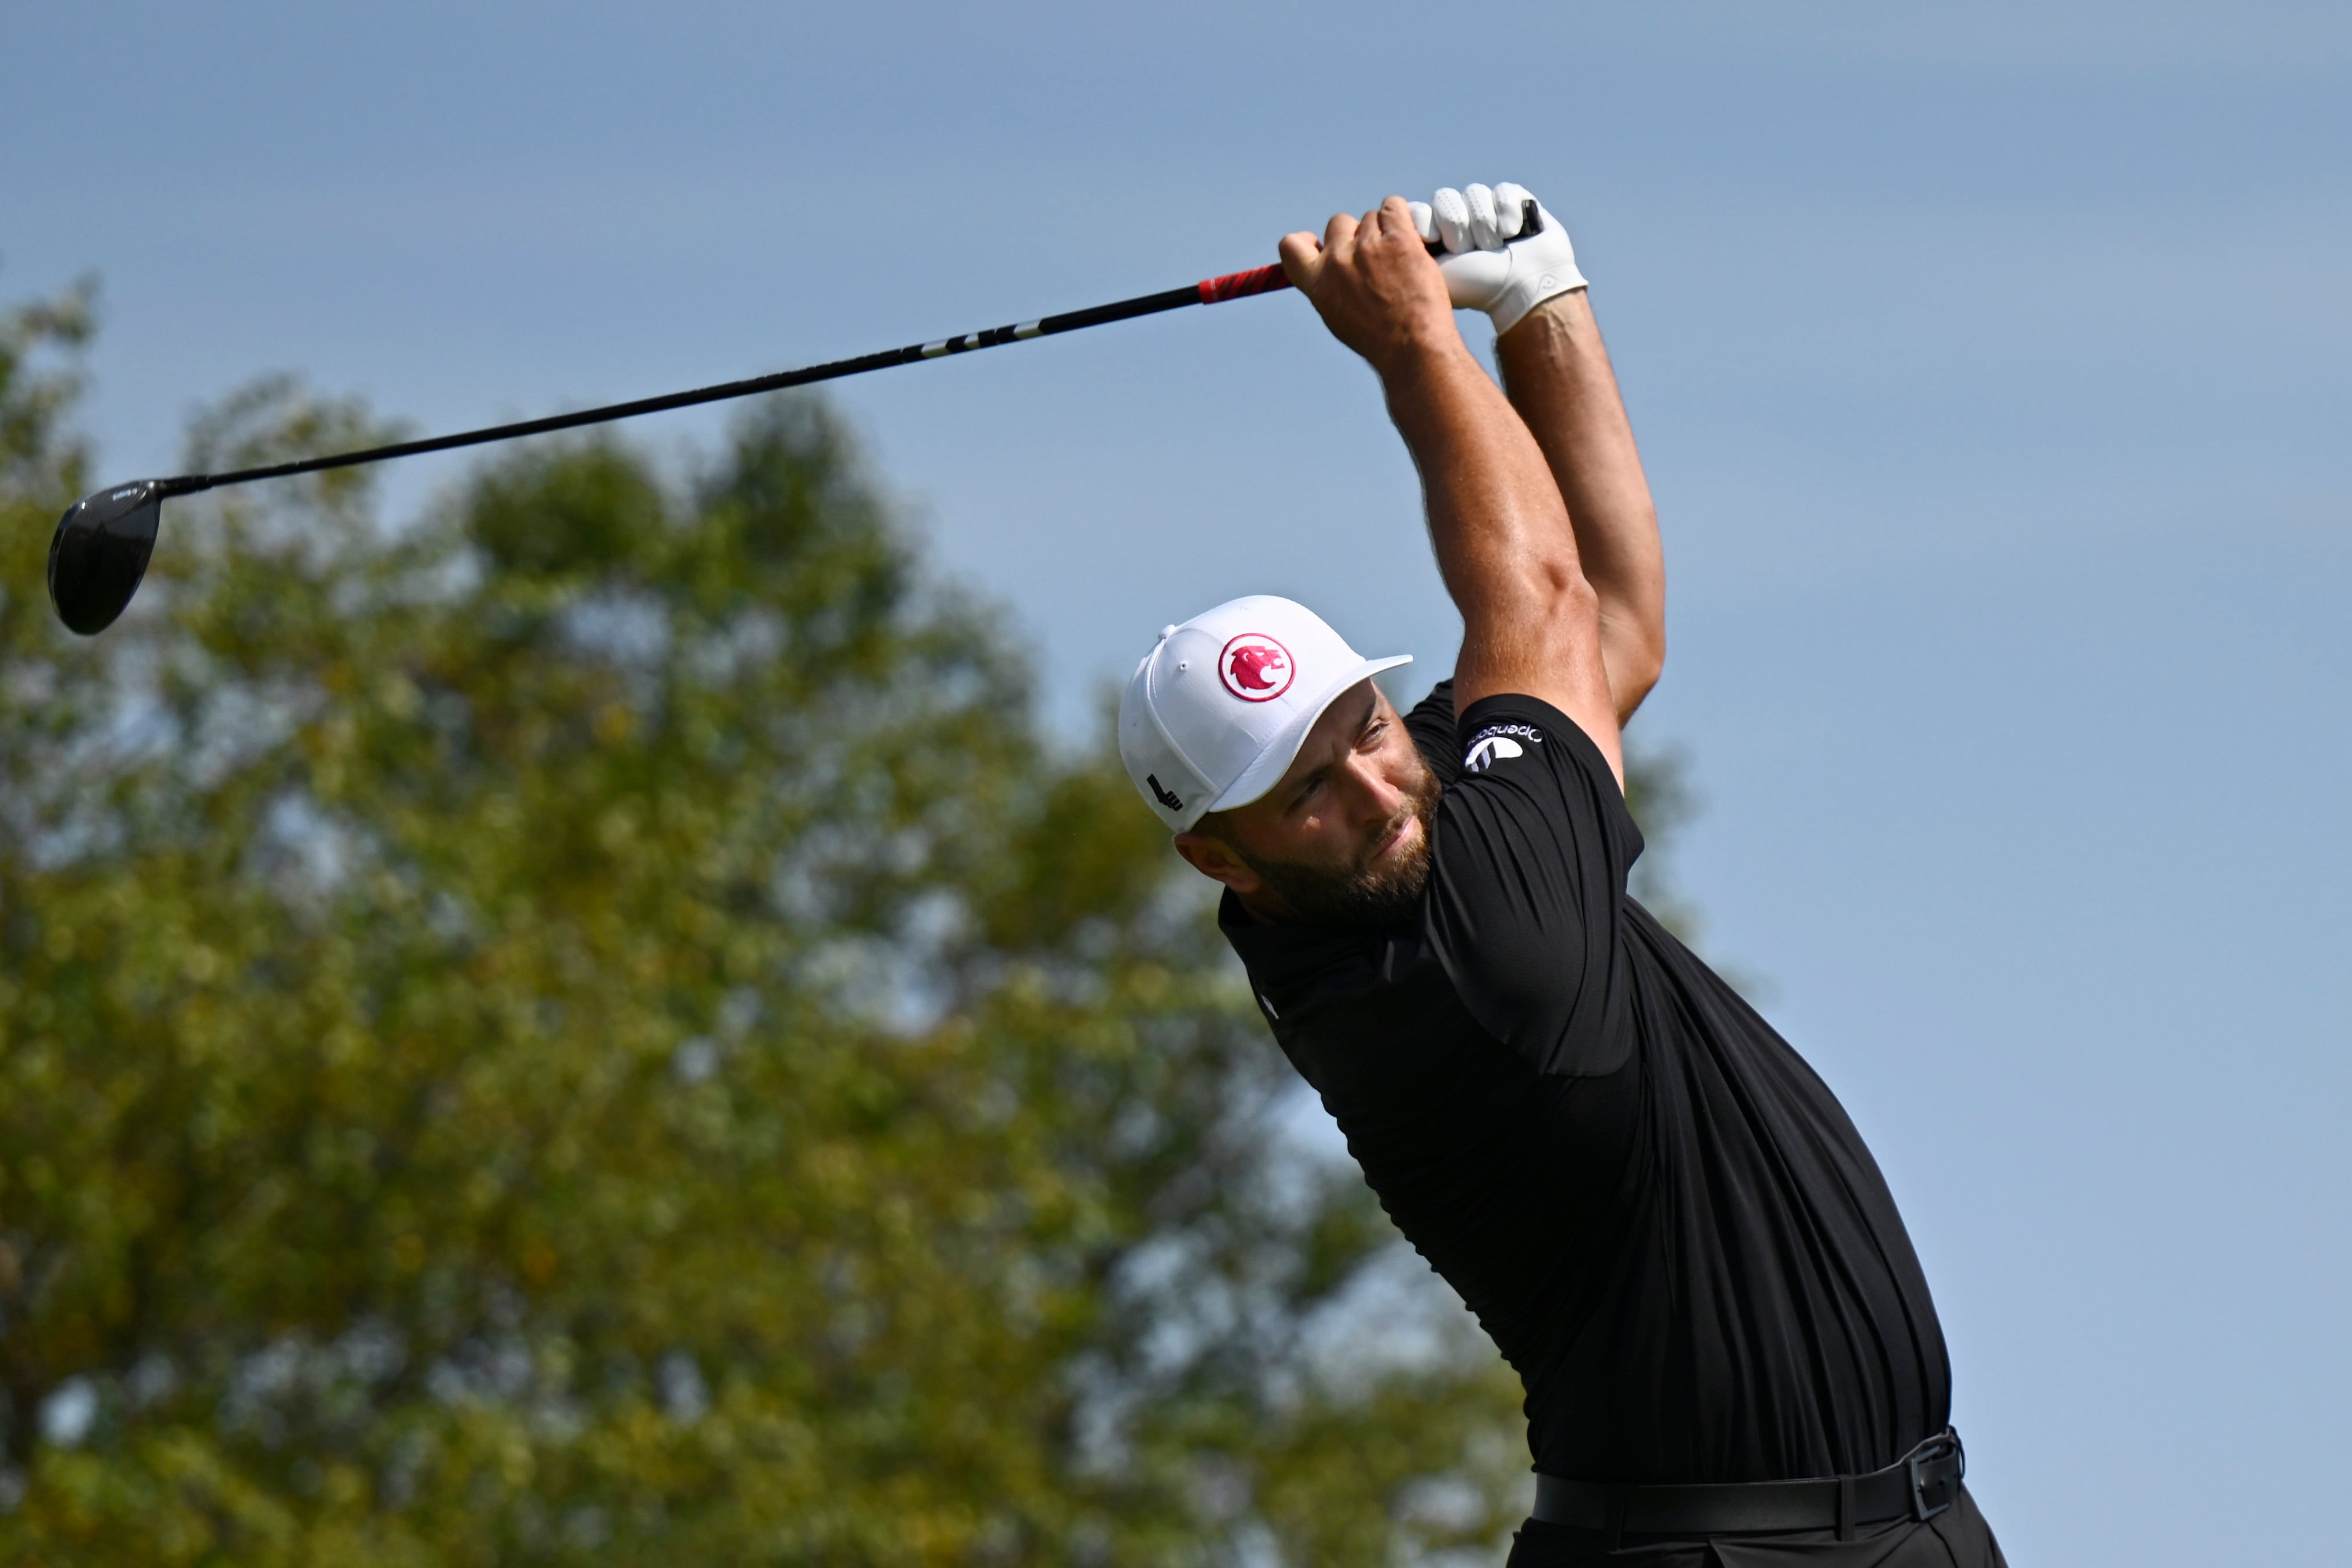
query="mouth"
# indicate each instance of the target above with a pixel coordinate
(1402, 835)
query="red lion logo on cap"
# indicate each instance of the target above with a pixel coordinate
(1255, 668)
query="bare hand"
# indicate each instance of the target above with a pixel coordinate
(1374, 283)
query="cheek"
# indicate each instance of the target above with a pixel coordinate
(1316, 838)
(1408, 775)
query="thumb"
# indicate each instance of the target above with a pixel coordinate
(1302, 260)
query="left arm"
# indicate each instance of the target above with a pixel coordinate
(1556, 370)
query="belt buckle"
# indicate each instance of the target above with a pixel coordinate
(1944, 1445)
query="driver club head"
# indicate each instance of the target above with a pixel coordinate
(100, 553)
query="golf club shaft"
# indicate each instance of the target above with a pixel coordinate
(1209, 291)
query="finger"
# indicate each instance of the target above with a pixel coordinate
(1511, 209)
(1396, 218)
(1481, 202)
(1453, 215)
(1425, 222)
(1302, 260)
(1339, 234)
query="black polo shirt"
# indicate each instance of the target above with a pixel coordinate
(1663, 1217)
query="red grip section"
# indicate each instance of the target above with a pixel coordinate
(1240, 285)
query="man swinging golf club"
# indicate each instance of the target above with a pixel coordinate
(1661, 1215)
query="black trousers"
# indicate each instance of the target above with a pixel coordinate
(1957, 1538)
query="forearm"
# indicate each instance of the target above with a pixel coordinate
(1496, 522)
(1556, 370)
(1503, 539)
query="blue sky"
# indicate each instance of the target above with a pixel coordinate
(1989, 364)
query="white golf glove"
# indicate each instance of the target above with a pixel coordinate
(1487, 266)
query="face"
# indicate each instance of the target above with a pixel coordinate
(1344, 838)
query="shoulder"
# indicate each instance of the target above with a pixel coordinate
(1509, 741)
(1291, 958)
(1298, 973)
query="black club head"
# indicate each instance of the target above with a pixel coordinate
(100, 553)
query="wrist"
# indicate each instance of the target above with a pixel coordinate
(1564, 315)
(1419, 348)
(1528, 294)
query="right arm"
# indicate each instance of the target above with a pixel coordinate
(1531, 621)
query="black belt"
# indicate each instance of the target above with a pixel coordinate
(1920, 1485)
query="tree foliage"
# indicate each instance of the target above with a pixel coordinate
(594, 1026)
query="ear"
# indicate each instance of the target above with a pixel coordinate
(1215, 858)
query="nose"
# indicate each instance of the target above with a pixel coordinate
(1374, 796)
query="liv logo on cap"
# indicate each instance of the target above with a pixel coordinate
(1215, 712)
(1256, 667)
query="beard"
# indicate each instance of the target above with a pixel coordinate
(1358, 893)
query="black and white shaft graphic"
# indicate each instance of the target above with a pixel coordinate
(100, 549)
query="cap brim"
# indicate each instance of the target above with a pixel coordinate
(1275, 760)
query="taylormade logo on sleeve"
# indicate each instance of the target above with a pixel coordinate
(1495, 744)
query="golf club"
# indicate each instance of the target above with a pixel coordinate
(100, 549)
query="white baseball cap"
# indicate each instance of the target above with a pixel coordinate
(1217, 710)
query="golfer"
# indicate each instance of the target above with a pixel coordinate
(1659, 1213)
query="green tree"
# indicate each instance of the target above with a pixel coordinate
(594, 1026)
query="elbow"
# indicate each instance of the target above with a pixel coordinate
(1552, 590)
(1537, 595)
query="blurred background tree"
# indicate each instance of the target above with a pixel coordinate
(594, 1026)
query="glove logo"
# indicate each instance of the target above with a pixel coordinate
(1255, 668)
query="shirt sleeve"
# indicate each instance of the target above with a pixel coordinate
(1529, 854)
